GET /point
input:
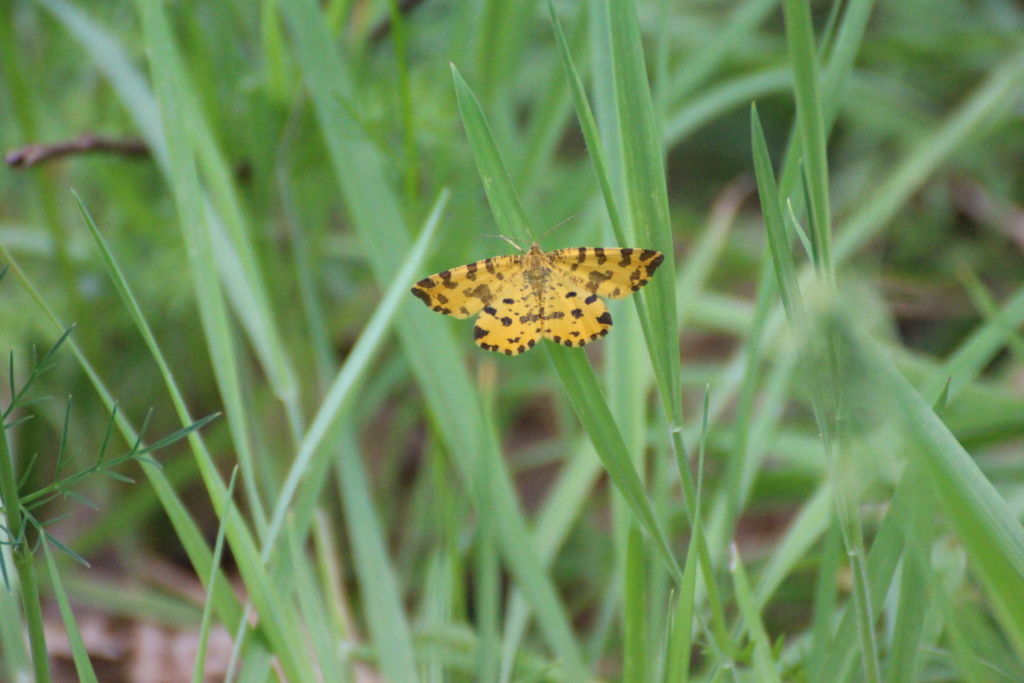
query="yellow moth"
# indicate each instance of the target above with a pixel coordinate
(555, 295)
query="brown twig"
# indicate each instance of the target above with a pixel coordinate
(87, 143)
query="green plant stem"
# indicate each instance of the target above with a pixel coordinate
(410, 162)
(23, 562)
(23, 104)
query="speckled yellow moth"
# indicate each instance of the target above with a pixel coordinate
(555, 295)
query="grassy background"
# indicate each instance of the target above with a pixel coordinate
(796, 456)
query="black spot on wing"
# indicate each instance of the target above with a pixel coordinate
(597, 277)
(446, 279)
(656, 259)
(421, 295)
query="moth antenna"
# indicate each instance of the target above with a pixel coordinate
(558, 225)
(510, 240)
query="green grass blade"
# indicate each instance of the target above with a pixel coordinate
(277, 618)
(381, 593)
(818, 361)
(211, 583)
(680, 623)
(647, 195)
(841, 646)
(680, 639)
(244, 284)
(346, 384)
(810, 125)
(17, 664)
(587, 398)
(915, 576)
(83, 667)
(508, 210)
(992, 96)
(705, 59)
(577, 374)
(636, 647)
(427, 342)
(561, 510)
(987, 527)
(764, 668)
(588, 126)
(185, 528)
(314, 611)
(778, 238)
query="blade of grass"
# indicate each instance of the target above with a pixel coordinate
(348, 380)
(588, 126)
(764, 668)
(826, 600)
(14, 528)
(720, 98)
(803, 58)
(449, 394)
(603, 172)
(987, 527)
(561, 510)
(487, 593)
(915, 576)
(577, 374)
(680, 636)
(841, 647)
(185, 528)
(278, 619)
(239, 271)
(778, 238)
(79, 653)
(647, 194)
(992, 96)
(314, 610)
(820, 368)
(381, 593)
(17, 664)
(211, 583)
(636, 647)
(706, 57)
(680, 624)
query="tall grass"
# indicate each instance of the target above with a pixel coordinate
(795, 457)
